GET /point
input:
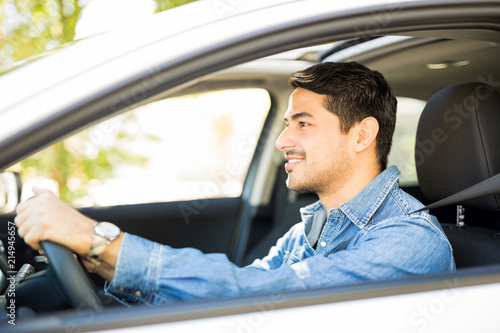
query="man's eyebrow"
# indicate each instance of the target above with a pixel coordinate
(303, 114)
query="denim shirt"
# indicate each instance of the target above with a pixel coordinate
(375, 236)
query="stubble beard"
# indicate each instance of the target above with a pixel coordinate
(321, 177)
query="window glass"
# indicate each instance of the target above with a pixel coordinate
(189, 147)
(403, 144)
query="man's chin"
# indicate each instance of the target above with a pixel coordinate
(297, 187)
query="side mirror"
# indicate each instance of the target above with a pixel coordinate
(10, 191)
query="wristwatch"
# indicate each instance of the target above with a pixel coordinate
(104, 234)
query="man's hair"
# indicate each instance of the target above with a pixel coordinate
(353, 92)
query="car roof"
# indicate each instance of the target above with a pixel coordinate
(419, 65)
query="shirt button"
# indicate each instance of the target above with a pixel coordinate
(138, 293)
(323, 244)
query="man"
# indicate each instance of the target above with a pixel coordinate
(338, 134)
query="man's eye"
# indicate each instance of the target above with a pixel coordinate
(303, 124)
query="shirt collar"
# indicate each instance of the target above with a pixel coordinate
(361, 208)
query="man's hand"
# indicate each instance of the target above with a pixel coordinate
(45, 217)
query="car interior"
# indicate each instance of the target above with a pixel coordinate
(446, 68)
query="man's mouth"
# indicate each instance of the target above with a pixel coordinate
(293, 161)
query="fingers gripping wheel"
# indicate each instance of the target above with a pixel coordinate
(78, 288)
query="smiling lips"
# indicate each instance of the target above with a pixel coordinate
(292, 162)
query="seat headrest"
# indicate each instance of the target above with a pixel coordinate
(458, 142)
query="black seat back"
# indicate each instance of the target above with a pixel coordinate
(458, 145)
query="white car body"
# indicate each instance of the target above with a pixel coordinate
(208, 42)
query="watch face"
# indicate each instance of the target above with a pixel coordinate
(108, 230)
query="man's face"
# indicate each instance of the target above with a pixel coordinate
(317, 152)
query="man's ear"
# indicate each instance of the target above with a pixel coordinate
(367, 133)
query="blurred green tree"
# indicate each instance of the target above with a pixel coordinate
(162, 5)
(28, 28)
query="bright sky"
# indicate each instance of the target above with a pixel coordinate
(103, 15)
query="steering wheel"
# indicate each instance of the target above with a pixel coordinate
(77, 286)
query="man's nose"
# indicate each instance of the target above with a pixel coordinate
(285, 140)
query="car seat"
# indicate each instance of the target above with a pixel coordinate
(458, 146)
